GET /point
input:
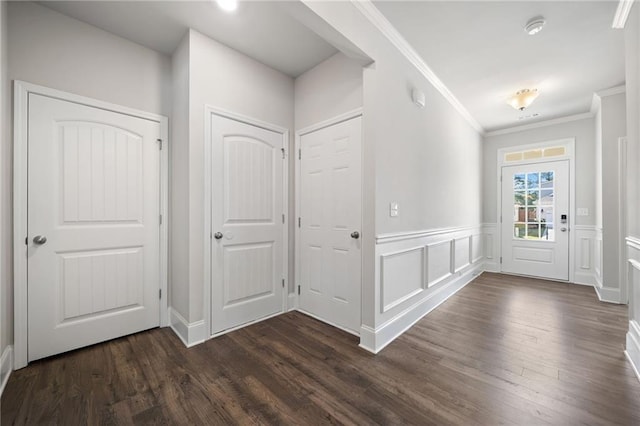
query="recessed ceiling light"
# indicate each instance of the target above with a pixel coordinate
(228, 5)
(535, 25)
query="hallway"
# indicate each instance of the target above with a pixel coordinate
(503, 350)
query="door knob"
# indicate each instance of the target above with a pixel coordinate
(355, 235)
(39, 239)
(563, 229)
(217, 235)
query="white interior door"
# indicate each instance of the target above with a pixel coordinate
(536, 219)
(247, 223)
(330, 220)
(94, 195)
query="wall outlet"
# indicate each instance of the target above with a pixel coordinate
(393, 209)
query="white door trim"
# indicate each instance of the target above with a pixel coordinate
(569, 144)
(208, 200)
(20, 186)
(622, 219)
(358, 112)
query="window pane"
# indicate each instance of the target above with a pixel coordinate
(519, 214)
(519, 198)
(532, 214)
(546, 214)
(546, 180)
(532, 197)
(518, 181)
(533, 231)
(546, 231)
(519, 230)
(532, 180)
(546, 197)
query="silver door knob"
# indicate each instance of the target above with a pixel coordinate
(217, 235)
(355, 235)
(39, 239)
(563, 229)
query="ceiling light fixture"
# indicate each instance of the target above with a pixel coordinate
(523, 98)
(535, 25)
(228, 5)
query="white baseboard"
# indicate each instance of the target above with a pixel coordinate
(190, 333)
(292, 302)
(633, 347)
(584, 278)
(6, 366)
(376, 340)
(608, 294)
(491, 266)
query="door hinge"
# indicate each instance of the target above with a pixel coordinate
(500, 219)
(282, 149)
(299, 154)
(26, 241)
(160, 219)
(282, 217)
(160, 144)
(500, 259)
(299, 222)
(298, 289)
(160, 294)
(283, 283)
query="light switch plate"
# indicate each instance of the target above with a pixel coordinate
(582, 211)
(393, 209)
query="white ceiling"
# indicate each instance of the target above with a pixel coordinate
(261, 30)
(481, 53)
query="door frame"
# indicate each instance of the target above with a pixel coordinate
(210, 110)
(21, 92)
(569, 145)
(358, 112)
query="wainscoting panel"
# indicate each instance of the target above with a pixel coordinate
(415, 273)
(491, 247)
(585, 255)
(633, 335)
(402, 276)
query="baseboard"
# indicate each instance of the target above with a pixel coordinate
(491, 266)
(292, 302)
(584, 278)
(6, 366)
(633, 347)
(190, 333)
(374, 340)
(608, 294)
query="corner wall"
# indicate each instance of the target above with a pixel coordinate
(417, 158)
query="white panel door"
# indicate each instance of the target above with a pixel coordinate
(94, 194)
(330, 220)
(535, 220)
(248, 230)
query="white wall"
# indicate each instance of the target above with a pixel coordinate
(331, 88)
(632, 74)
(610, 125)
(56, 51)
(6, 276)
(223, 78)
(417, 158)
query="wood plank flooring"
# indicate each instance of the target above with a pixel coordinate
(504, 350)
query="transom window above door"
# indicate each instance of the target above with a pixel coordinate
(533, 205)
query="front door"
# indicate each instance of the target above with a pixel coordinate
(93, 225)
(330, 220)
(536, 220)
(247, 222)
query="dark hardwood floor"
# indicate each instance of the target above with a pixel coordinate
(504, 350)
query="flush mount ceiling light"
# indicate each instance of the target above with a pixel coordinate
(535, 25)
(228, 5)
(523, 98)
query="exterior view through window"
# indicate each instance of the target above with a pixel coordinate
(533, 206)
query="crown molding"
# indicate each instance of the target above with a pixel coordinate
(622, 13)
(612, 91)
(373, 14)
(539, 124)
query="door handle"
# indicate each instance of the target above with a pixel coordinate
(563, 229)
(355, 235)
(217, 235)
(39, 239)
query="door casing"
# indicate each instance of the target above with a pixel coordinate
(569, 145)
(208, 199)
(20, 187)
